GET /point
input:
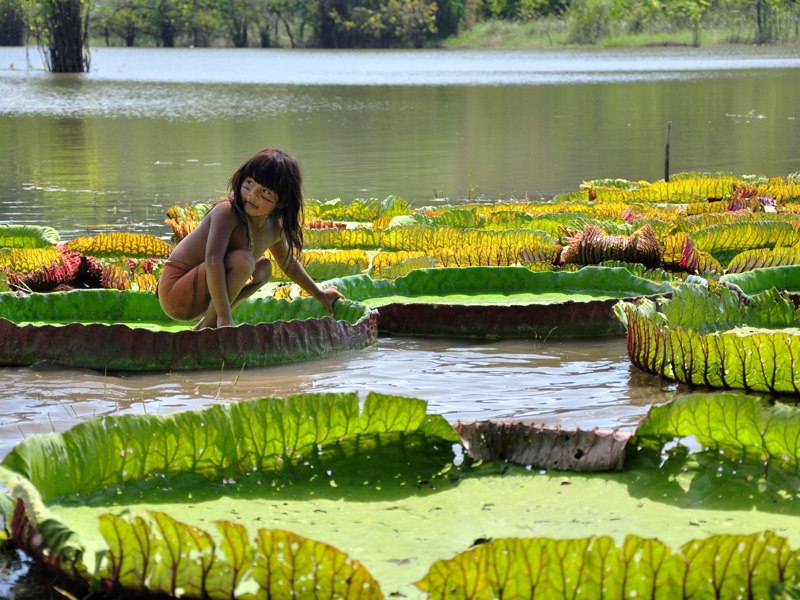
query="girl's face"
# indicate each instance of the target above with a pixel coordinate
(258, 200)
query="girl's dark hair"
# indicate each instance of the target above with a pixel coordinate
(281, 173)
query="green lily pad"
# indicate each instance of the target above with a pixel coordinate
(715, 337)
(127, 330)
(759, 280)
(500, 302)
(123, 500)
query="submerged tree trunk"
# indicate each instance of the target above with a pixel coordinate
(65, 35)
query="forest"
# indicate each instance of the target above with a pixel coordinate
(69, 27)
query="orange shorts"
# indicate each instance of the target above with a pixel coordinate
(183, 291)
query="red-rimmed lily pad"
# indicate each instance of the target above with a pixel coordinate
(500, 302)
(127, 330)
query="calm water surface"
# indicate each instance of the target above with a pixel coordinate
(567, 383)
(148, 128)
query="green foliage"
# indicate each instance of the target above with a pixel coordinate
(722, 566)
(739, 426)
(373, 24)
(712, 337)
(161, 554)
(27, 236)
(230, 440)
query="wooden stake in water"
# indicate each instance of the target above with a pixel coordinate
(666, 152)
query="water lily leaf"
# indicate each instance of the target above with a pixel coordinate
(27, 236)
(225, 440)
(745, 235)
(128, 330)
(138, 245)
(542, 447)
(289, 564)
(736, 425)
(162, 554)
(714, 337)
(762, 258)
(758, 280)
(722, 566)
(499, 302)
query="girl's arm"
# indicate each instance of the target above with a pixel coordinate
(295, 271)
(223, 222)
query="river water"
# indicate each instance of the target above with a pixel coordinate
(148, 128)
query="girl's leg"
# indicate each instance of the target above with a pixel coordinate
(261, 275)
(182, 291)
(242, 273)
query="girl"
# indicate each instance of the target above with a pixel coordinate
(222, 261)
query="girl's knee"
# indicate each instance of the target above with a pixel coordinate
(262, 271)
(240, 261)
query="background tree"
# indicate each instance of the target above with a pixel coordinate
(202, 21)
(374, 24)
(12, 23)
(61, 30)
(126, 19)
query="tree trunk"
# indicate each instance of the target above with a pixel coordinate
(66, 36)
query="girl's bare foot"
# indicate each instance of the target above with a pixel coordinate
(202, 324)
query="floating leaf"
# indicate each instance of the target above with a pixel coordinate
(27, 236)
(761, 258)
(139, 245)
(542, 447)
(39, 269)
(712, 338)
(697, 261)
(721, 566)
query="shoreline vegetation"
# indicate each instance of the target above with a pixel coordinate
(65, 27)
(551, 34)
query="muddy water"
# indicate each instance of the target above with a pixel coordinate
(569, 383)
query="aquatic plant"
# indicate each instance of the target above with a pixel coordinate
(499, 302)
(593, 245)
(136, 245)
(184, 504)
(714, 336)
(39, 269)
(114, 330)
(27, 236)
(360, 209)
(327, 264)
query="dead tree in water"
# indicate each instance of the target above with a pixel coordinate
(61, 29)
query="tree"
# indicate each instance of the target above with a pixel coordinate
(124, 18)
(61, 29)
(12, 23)
(374, 24)
(694, 12)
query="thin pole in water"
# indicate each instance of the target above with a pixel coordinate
(666, 152)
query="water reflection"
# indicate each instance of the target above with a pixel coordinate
(569, 383)
(153, 127)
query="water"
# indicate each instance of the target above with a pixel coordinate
(147, 128)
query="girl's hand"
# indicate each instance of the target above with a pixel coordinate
(329, 296)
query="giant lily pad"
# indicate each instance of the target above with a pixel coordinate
(114, 330)
(759, 280)
(500, 302)
(718, 338)
(228, 502)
